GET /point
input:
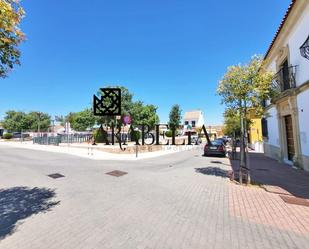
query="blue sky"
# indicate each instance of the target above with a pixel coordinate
(164, 51)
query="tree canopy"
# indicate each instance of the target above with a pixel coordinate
(246, 84)
(175, 117)
(143, 114)
(83, 120)
(11, 36)
(232, 123)
(20, 121)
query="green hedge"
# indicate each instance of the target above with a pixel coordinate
(135, 135)
(100, 136)
(7, 135)
(168, 133)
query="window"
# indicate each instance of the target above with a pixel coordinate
(186, 122)
(264, 127)
(193, 123)
(285, 75)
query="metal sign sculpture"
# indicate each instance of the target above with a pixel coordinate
(109, 103)
(304, 49)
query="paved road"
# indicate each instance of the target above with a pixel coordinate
(182, 200)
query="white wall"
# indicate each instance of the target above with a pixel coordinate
(295, 40)
(303, 112)
(198, 122)
(272, 124)
(201, 122)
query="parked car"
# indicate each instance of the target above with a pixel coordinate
(18, 135)
(217, 147)
(224, 140)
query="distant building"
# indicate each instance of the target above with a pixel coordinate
(192, 120)
(214, 131)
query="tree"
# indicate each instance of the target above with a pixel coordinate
(81, 121)
(242, 87)
(38, 121)
(175, 117)
(10, 34)
(20, 121)
(143, 114)
(15, 121)
(140, 113)
(231, 123)
(246, 86)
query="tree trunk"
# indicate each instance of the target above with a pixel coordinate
(246, 147)
(242, 149)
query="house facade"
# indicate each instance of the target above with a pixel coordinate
(286, 127)
(193, 119)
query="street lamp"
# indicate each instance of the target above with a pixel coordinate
(304, 49)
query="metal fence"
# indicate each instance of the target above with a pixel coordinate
(55, 140)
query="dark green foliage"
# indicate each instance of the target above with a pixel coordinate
(81, 121)
(141, 114)
(175, 117)
(100, 136)
(135, 135)
(168, 133)
(7, 135)
(21, 121)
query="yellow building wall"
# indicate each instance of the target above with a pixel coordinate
(255, 133)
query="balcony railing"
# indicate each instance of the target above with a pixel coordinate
(284, 79)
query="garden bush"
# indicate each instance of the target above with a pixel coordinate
(100, 136)
(7, 135)
(135, 135)
(168, 133)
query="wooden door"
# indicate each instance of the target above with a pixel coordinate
(289, 137)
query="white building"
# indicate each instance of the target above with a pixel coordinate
(286, 130)
(193, 119)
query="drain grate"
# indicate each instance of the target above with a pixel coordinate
(295, 200)
(218, 162)
(117, 173)
(55, 176)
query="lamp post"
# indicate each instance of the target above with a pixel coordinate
(304, 49)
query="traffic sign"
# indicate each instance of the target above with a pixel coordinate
(127, 119)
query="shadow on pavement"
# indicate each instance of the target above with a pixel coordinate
(270, 172)
(18, 203)
(213, 171)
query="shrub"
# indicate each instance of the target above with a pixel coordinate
(100, 136)
(7, 135)
(168, 133)
(135, 135)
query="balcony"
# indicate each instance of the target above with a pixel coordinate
(284, 79)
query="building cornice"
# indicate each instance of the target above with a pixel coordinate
(282, 23)
(291, 17)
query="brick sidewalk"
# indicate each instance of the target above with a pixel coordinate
(266, 212)
(276, 177)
